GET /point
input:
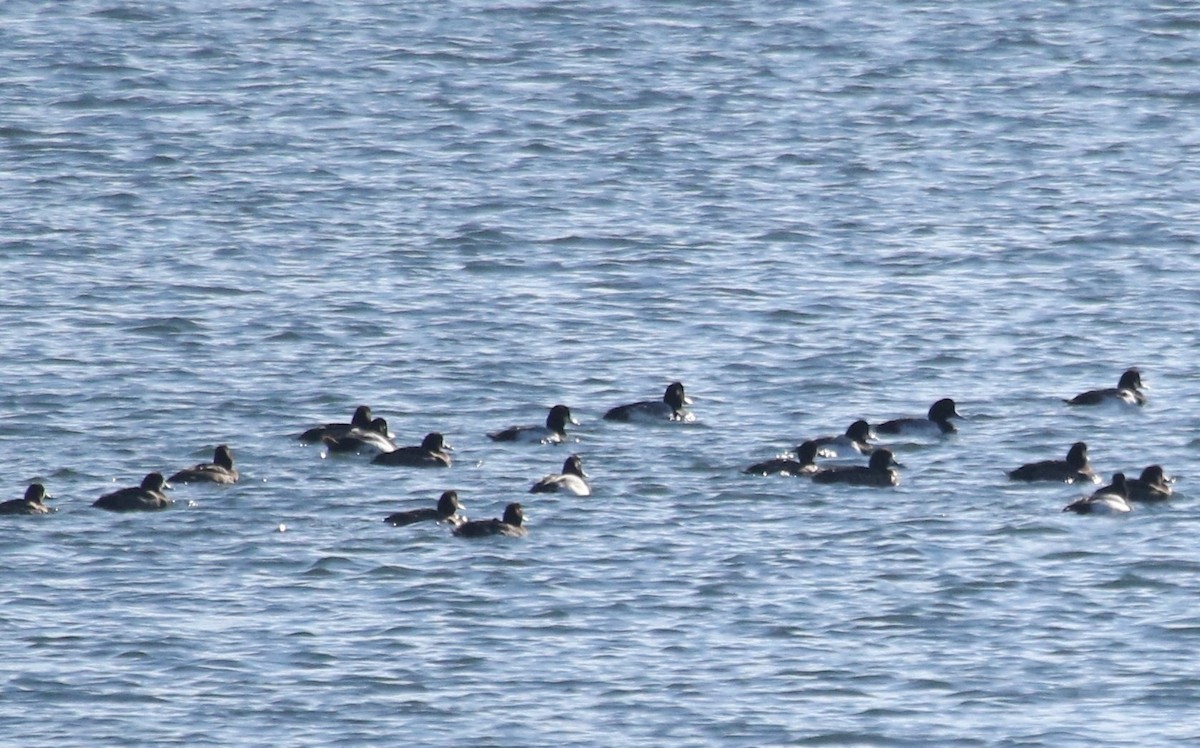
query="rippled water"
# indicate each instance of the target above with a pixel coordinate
(225, 222)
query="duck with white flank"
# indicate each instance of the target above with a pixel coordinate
(1112, 499)
(553, 432)
(670, 408)
(1127, 392)
(572, 479)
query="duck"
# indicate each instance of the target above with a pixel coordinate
(370, 440)
(853, 442)
(670, 408)
(510, 525)
(554, 432)
(34, 502)
(804, 464)
(147, 497)
(1127, 392)
(432, 452)
(1152, 485)
(937, 422)
(879, 471)
(361, 419)
(447, 511)
(1074, 469)
(220, 470)
(1112, 499)
(572, 479)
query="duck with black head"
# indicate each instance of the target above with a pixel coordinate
(553, 432)
(433, 451)
(220, 470)
(672, 407)
(572, 479)
(147, 497)
(511, 525)
(936, 422)
(34, 502)
(804, 464)
(1127, 392)
(370, 440)
(447, 510)
(361, 419)
(1151, 486)
(879, 471)
(1112, 499)
(1074, 469)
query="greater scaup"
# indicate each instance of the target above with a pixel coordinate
(33, 503)
(361, 419)
(879, 471)
(370, 440)
(1152, 485)
(1128, 392)
(554, 432)
(1074, 469)
(1112, 499)
(572, 479)
(510, 525)
(220, 470)
(447, 511)
(148, 496)
(432, 452)
(937, 422)
(671, 407)
(804, 464)
(850, 444)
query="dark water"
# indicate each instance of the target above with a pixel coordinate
(225, 222)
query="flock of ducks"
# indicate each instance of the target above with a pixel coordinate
(365, 434)
(1153, 485)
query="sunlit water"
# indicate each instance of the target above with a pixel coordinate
(225, 222)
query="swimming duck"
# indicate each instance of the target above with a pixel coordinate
(878, 472)
(571, 479)
(938, 422)
(849, 444)
(510, 525)
(1074, 469)
(33, 503)
(670, 407)
(1112, 499)
(147, 497)
(432, 452)
(1153, 485)
(1128, 392)
(361, 419)
(447, 511)
(220, 470)
(804, 464)
(554, 432)
(370, 440)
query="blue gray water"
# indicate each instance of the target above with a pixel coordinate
(224, 222)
